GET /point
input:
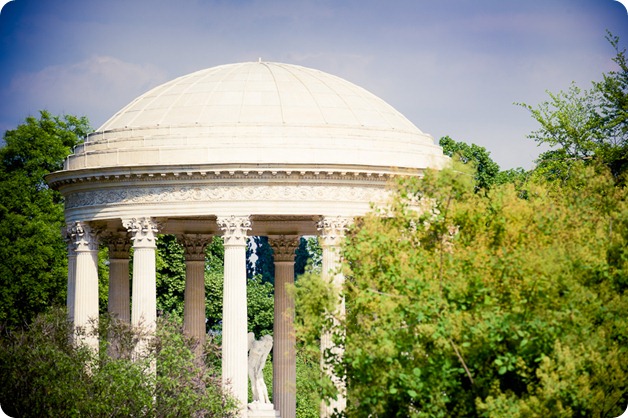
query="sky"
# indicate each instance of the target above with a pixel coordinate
(452, 67)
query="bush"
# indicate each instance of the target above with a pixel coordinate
(45, 375)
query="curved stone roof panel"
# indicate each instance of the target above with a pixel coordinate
(258, 113)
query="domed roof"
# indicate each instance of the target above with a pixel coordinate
(257, 113)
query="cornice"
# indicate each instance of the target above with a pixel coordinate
(226, 173)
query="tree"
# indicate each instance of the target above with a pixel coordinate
(309, 256)
(171, 287)
(569, 126)
(170, 269)
(260, 299)
(301, 257)
(585, 125)
(484, 305)
(487, 171)
(259, 260)
(33, 266)
(612, 112)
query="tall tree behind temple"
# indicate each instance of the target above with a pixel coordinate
(259, 260)
(487, 171)
(585, 126)
(33, 255)
(309, 256)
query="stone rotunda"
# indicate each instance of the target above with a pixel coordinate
(238, 150)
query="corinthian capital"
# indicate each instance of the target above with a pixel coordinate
(82, 237)
(143, 231)
(234, 229)
(284, 247)
(194, 245)
(333, 229)
(119, 244)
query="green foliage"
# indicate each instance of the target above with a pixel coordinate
(569, 126)
(314, 300)
(486, 170)
(308, 377)
(44, 375)
(585, 125)
(612, 112)
(260, 299)
(309, 256)
(33, 266)
(170, 265)
(261, 306)
(485, 305)
(103, 279)
(214, 279)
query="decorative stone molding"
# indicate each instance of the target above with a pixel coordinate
(333, 229)
(284, 247)
(194, 245)
(82, 236)
(234, 229)
(118, 243)
(212, 193)
(142, 230)
(373, 174)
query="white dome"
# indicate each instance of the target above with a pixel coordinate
(258, 113)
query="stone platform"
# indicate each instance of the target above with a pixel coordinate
(262, 410)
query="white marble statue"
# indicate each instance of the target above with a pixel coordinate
(258, 352)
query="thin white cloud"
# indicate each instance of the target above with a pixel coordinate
(86, 87)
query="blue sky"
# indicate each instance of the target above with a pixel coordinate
(453, 67)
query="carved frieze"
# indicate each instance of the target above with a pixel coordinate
(171, 194)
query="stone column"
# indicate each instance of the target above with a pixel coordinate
(71, 294)
(144, 307)
(85, 294)
(234, 311)
(332, 231)
(119, 288)
(194, 305)
(284, 349)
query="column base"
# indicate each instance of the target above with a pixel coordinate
(262, 410)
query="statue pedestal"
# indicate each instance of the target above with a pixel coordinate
(262, 410)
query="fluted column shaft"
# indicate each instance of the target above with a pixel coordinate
(85, 294)
(71, 294)
(284, 349)
(144, 307)
(194, 304)
(332, 233)
(234, 311)
(119, 287)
